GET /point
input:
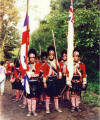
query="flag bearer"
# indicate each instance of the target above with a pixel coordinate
(78, 82)
(33, 75)
(50, 77)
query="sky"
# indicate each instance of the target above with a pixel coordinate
(37, 11)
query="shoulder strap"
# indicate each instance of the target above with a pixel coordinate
(64, 64)
(52, 67)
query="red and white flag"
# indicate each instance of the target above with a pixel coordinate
(70, 41)
(25, 45)
(24, 53)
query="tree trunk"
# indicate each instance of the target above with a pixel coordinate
(1, 20)
(3, 43)
(1, 16)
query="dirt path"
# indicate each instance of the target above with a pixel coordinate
(10, 110)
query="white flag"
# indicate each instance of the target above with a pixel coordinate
(70, 41)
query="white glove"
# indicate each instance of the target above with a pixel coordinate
(22, 81)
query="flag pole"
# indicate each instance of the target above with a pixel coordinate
(71, 2)
(54, 42)
(27, 16)
(40, 48)
(27, 47)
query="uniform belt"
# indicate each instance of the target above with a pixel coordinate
(51, 78)
(76, 81)
(76, 77)
(33, 81)
(34, 78)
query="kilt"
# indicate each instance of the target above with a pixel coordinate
(40, 87)
(76, 86)
(52, 89)
(17, 85)
(34, 89)
(63, 83)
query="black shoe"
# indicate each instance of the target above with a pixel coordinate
(43, 102)
(78, 109)
(72, 109)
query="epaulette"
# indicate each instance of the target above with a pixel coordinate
(81, 62)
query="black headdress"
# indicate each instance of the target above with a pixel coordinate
(50, 48)
(32, 51)
(43, 54)
(63, 52)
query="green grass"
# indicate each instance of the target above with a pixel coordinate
(94, 87)
(92, 99)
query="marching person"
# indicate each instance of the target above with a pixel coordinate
(64, 70)
(2, 77)
(33, 75)
(42, 67)
(50, 77)
(8, 70)
(16, 80)
(78, 82)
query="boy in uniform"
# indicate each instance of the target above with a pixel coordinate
(33, 75)
(64, 70)
(78, 82)
(50, 80)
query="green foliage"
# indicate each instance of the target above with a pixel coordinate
(94, 87)
(86, 28)
(92, 94)
(90, 99)
(87, 39)
(41, 37)
(86, 25)
(10, 35)
(58, 23)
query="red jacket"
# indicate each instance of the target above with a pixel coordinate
(79, 69)
(64, 69)
(48, 71)
(16, 75)
(36, 70)
(8, 69)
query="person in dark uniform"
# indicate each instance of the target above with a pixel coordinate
(50, 77)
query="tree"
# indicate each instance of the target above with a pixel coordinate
(9, 34)
(41, 37)
(86, 25)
